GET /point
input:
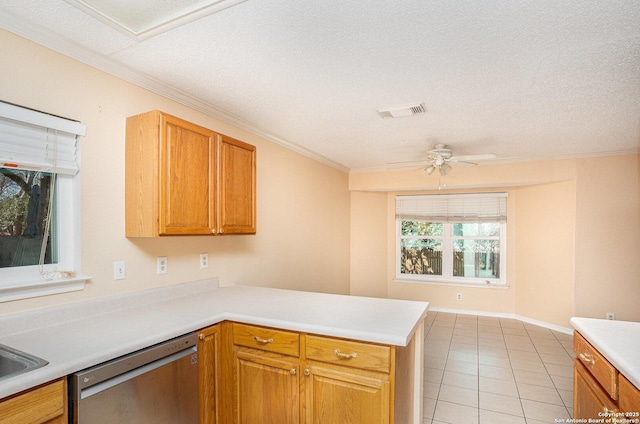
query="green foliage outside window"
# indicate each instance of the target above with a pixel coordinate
(24, 203)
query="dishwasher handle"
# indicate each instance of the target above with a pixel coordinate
(115, 380)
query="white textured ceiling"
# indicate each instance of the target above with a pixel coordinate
(521, 79)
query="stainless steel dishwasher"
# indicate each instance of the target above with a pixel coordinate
(156, 385)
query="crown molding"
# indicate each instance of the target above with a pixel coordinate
(497, 161)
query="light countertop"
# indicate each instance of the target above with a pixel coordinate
(80, 335)
(618, 341)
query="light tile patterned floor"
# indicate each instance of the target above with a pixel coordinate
(483, 370)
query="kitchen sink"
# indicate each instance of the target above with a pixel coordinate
(14, 362)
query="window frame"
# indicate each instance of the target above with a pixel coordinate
(26, 281)
(448, 237)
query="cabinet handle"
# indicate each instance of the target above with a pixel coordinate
(262, 341)
(585, 357)
(292, 371)
(201, 336)
(344, 355)
(307, 372)
(213, 231)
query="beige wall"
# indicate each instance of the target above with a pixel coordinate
(302, 240)
(544, 274)
(573, 237)
(369, 244)
(608, 238)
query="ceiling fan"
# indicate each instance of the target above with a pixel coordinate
(441, 158)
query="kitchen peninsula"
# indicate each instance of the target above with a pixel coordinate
(77, 336)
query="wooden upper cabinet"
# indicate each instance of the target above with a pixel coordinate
(187, 178)
(237, 187)
(184, 179)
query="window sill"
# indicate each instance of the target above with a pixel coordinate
(29, 289)
(453, 284)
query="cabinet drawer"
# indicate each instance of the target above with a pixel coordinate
(590, 400)
(40, 405)
(349, 353)
(598, 366)
(629, 397)
(269, 339)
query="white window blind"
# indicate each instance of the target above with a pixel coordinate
(38, 141)
(480, 207)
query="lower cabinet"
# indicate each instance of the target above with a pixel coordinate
(590, 400)
(208, 371)
(345, 396)
(600, 391)
(266, 375)
(267, 388)
(629, 399)
(283, 377)
(347, 381)
(46, 404)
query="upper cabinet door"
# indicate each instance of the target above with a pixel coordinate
(184, 179)
(188, 178)
(237, 187)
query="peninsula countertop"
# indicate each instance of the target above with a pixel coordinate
(618, 341)
(79, 335)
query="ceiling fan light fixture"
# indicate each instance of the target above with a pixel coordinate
(429, 169)
(445, 168)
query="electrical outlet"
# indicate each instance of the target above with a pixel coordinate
(204, 260)
(459, 296)
(611, 315)
(118, 270)
(162, 265)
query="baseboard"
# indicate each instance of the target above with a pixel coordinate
(553, 327)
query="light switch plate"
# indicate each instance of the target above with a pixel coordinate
(119, 270)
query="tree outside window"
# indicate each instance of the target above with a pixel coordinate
(24, 204)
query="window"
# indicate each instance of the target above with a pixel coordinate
(39, 204)
(25, 202)
(451, 238)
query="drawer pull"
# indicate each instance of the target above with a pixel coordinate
(344, 355)
(262, 341)
(293, 371)
(586, 358)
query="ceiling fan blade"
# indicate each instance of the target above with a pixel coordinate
(410, 163)
(466, 158)
(462, 163)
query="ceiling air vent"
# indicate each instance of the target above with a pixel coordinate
(402, 110)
